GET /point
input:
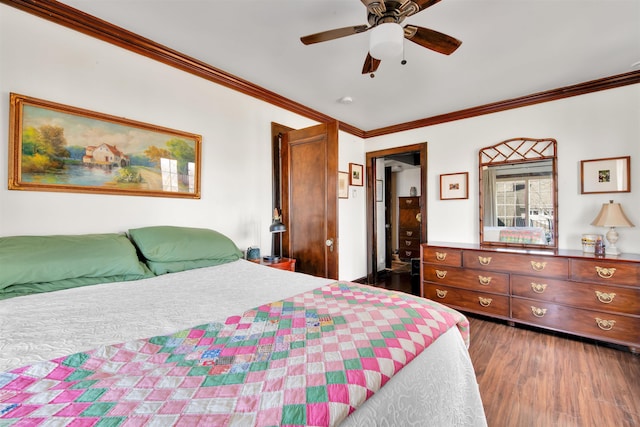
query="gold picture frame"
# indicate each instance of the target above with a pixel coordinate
(56, 147)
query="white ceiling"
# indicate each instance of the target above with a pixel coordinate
(510, 48)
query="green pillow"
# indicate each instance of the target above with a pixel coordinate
(159, 268)
(51, 259)
(76, 282)
(170, 244)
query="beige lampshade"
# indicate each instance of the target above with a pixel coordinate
(611, 215)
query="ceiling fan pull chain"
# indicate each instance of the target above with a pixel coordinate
(404, 61)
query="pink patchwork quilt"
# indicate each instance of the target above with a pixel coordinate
(310, 360)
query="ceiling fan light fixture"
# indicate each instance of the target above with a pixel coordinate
(386, 41)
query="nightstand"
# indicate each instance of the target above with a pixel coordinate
(281, 264)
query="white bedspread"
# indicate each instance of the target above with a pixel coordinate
(436, 389)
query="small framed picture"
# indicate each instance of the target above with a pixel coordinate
(454, 186)
(355, 174)
(610, 175)
(343, 185)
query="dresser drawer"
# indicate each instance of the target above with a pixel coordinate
(409, 218)
(409, 233)
(577, 294)
(444, 256)
(406, 243)
(605, 271)
(546, 266)
(409, 202)
(478, 280)
(408, 253)
(477, 302)
(590, 323)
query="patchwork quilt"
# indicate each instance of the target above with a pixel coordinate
(310, 360)
(533, 235)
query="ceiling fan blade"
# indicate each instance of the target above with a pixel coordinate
(371, 64)
(333, 34)
(423, 4)
(431, 39)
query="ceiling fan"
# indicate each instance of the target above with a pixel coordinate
(384, 17)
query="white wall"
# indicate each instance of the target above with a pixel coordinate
(44, 60)
(405, 179)
(353, 213)
(598, 125)
(51, 62)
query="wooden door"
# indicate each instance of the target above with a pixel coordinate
(310, 199)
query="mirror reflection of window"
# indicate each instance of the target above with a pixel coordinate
(518, 199)
(525, 201)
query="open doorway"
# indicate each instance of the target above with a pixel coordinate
(396, 215)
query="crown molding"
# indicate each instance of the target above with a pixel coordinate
(605, 83)
(75, 19)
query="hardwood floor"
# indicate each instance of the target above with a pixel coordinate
(532, 378)
(404, 282)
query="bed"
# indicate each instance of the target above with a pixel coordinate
(154, 338)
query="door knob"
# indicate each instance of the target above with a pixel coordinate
(329, 242)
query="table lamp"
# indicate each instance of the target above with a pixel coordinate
(611, 215)
(276, 227)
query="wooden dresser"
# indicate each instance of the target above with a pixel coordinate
(408, 228)
(566, 291)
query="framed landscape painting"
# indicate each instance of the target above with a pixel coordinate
(55, 147)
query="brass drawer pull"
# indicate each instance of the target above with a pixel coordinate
(440, 293)
(538, 288)
(605, 325)
(484, 280)
(605, 273)
(485, 302)
(538, 312)
(604, 297)
(441, 274)
(538, 266)
(408, 254)
(484, 260)
(440, 256)
(407, 242)
(409, 233)
(408, 201)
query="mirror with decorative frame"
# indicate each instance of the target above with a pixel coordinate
(519, 194)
